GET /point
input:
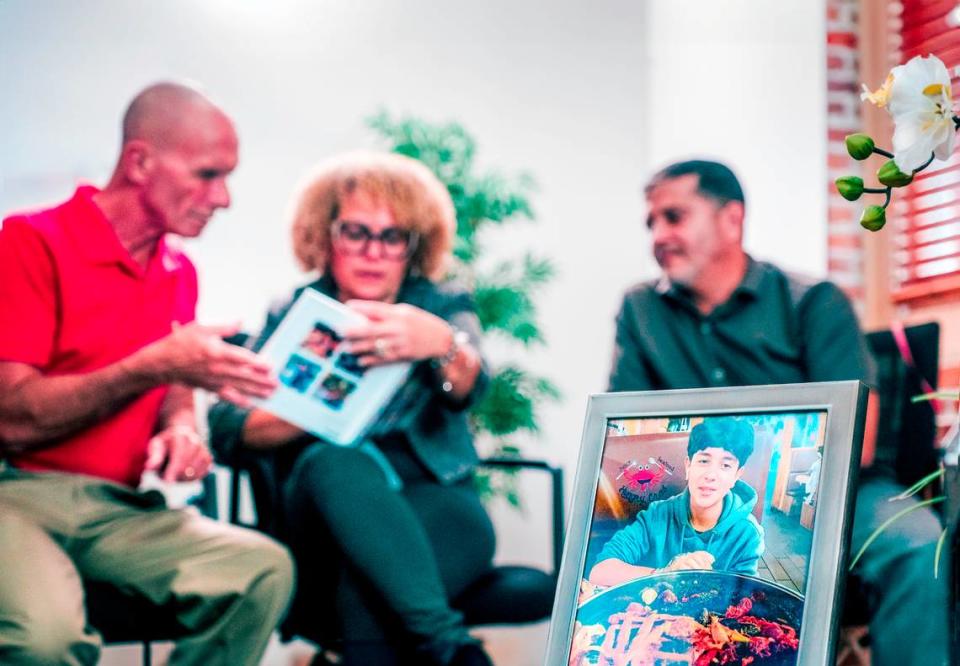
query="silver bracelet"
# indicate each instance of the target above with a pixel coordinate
(457, 341)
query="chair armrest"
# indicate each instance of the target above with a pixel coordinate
(206, 500)
(556, 486)
(236, 475)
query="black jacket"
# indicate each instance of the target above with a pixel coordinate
(435, 426)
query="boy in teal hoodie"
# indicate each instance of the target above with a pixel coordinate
(707, 526)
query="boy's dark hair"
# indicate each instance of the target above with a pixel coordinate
(726, 433)
(715, 180)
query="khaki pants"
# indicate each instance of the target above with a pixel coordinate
(227, 585)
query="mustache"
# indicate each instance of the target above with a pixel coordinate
(661, 250)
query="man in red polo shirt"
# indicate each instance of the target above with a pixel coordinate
(99, 356)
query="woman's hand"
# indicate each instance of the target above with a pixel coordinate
(263, 430)
(397, 332)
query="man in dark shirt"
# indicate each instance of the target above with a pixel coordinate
(717, 317)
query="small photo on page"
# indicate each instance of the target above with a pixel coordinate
(321, 340)
(299, 373)
(333, 390)
(350, 363)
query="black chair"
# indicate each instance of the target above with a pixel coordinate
(907, 430)
(507, 594)
(906, 444)
(518, 594)
(121, 618)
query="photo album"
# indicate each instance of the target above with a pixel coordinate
(323, 389)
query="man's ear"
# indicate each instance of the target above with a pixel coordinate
(136, 160)
(740, 472)
(731, 221)
(686, 468)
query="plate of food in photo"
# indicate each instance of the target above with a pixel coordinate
(696, 618)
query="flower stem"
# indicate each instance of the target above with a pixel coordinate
(881, 151)
(875, 190)
(886, 201)
(888, 522)
(925, 164)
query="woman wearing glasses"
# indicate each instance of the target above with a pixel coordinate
(378, 229)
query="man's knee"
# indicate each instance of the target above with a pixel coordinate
(42, 616)
(277, 576)
(262, 573)
(53, 639)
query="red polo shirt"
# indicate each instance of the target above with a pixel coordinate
(72, 300)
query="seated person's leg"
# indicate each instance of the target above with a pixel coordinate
(381, 539)
(42, 616)
(462, 539)
(335, 605)
(371, 633)
(459, 530)
(227, 586)
(898, 568)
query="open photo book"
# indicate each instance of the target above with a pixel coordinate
(323, 389)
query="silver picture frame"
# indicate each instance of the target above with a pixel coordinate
(845, 406)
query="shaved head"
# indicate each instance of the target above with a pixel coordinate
(161, 113)
(178, 150)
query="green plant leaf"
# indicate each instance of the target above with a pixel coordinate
(504, 296)
(888, 522)
(937, 552)
(936, 395)
(918, 486)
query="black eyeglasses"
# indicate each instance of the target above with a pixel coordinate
(355, 238)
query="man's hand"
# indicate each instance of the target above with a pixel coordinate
(178, 454)
(698, 559)
(197, 356)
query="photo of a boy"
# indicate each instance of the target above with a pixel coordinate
(299, 373)
(350, 363)
(707, 526)
(333, 390)
(321, 340)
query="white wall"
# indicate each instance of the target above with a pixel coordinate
(590, 98)
(551, 88)
(745, 81)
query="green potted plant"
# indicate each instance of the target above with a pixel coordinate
(504, 291)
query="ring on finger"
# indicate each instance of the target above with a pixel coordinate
(380, 347)
(189, 472)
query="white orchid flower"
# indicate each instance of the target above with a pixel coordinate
(881, 95)
(919, 100)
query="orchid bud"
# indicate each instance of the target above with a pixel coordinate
(873, 218)
(850, 187)
(860, 146)
(891, 176)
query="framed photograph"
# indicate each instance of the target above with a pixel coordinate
(709, 526)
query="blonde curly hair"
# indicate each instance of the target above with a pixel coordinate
(417, 199)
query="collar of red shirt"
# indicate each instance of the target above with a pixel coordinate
(96, 238)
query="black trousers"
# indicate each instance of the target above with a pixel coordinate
(377, 567)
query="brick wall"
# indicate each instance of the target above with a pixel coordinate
(845, 250)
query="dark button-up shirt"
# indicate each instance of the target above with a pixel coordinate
(776, 328)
